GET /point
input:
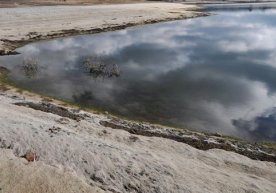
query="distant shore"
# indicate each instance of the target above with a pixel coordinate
(22, 25)
(24, 3)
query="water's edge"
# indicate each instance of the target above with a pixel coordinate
(203, 141)
(264, 151)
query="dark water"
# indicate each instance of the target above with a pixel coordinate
(214, 73)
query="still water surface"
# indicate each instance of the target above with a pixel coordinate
(213, 73)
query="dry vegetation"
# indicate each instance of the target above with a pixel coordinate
(29, 67)
(98, 67)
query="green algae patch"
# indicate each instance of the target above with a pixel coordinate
(268, 144)
(3, 78)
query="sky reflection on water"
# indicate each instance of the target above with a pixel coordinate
(214, 73)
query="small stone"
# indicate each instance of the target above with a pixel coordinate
(30, 156)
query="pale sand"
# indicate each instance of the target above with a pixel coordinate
(21, 3)
(115, 160)
(19, 176)
(24, 24)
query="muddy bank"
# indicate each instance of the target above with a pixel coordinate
(19, 26)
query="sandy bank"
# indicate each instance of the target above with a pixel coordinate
(19, 26)
(17, 175)
(115, 160)
(20, 3)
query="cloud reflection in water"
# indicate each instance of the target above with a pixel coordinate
(215, 73)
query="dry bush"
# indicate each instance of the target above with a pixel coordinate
(30, 67)
(97, 67)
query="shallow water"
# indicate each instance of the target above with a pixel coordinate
(214, 73)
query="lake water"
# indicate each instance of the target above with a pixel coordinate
(214, 73)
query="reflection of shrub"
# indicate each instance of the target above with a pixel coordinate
(92, 62)
(30, 67)
(97, 67)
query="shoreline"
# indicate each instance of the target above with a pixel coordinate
(65, 20)
(86, 151)
(100, 151)
(263, 151)
(228, 143)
